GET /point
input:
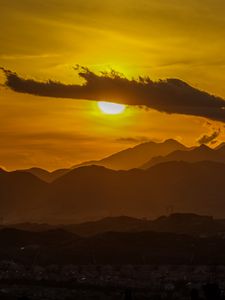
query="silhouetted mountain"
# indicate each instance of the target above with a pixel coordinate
(190, 224)
(186, 223)
(110, 248)
(115, 224)
(222, 145)
(21, 196)
(124, 160)
(202, 153)
(93, 192)
(46, 175)
(2, 171)
(33, 227)
(221, 149)
(20, 238)
(134, 157)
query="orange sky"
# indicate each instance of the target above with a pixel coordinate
(44, 39)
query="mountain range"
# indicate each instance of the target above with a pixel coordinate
(114, 248)
(135, 157)
(179, 223)
(45, 175)
(201, 153)
(143, 156)
(181, 180)
(124, 160)
(93, 192)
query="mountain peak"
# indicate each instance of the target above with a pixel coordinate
(204, 147)
(138, 155)
(171, 142)
(2, 171)
(220, 146)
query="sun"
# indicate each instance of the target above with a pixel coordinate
(110, 108)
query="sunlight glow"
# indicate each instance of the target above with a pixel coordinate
(111, 108)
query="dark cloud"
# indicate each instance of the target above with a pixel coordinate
(206, 139)
(169, 95)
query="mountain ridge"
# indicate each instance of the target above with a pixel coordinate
(132, 157)
(201, 153)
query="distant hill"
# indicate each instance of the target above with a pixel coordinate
(115, 224)
(180, 223)
(11, 237)
(46, 175)
(135, 157)
(221, 145)
(190, 224)
(124, 160)
(92, 192)
(21, 196)
(201, 153)
(97, 191)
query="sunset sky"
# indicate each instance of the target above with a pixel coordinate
(45, 39)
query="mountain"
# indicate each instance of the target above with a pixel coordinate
(21, 238)
(134, 157)
(221, 145)
(32, 227)
(180, 223)
(201, 153)
(92, 192)
(188, 223)
(21, 196)
(46, 175)
(127, 159)
(111, 248)
(107, 224)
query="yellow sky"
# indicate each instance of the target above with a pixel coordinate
(44, 39)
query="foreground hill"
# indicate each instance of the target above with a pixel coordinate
(11, 237)
(93, 192)
(202, 153)
(135, 157)
(180, 223)
(109, 248)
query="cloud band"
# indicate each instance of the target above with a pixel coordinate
(169, 96)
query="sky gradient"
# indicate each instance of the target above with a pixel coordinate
(161, 39)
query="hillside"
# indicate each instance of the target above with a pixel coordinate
(110, 248)
(21, 196)
(180, 223)
(201, 153)
(92, 192)
(46, 175)
(134, 157)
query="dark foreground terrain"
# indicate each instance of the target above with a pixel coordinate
(111, 282)
(128, 282)
(179, 239)
(172, 257)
